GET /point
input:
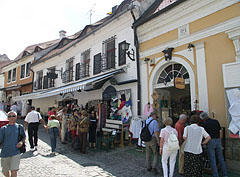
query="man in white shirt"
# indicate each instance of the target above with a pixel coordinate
(33, 119)
(14, 107)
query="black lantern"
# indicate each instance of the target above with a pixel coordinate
(125, 48)
(168, 53)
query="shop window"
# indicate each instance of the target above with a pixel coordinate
(173, 71)
(109, 53)
(22, 74)
(9, 76)
(14, 74)
(97, 64)
(28, 69)
(121, 54)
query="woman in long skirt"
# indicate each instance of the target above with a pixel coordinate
(193, 135)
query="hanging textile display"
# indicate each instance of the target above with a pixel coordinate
(121, 106)
(147, 110)
(233, 96)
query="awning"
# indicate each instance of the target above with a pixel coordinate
(67, 88)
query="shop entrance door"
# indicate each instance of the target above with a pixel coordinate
(173, 99)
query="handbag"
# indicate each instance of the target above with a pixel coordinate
(23, 147)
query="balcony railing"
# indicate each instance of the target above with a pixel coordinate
(82, 71)
(107, 63)
(67, 76)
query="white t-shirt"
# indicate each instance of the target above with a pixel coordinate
(194, 135)
(33, 117)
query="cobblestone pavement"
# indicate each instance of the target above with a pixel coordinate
(121, 162)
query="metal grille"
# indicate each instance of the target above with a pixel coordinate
(82, 70)
(67, 76)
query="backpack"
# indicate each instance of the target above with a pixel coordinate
(173, 143)
(145, 134)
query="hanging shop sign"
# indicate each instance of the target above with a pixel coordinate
(52, 75)
(179, 83)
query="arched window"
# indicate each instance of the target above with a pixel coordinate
(172, 71)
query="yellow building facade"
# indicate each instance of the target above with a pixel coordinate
(195, 40)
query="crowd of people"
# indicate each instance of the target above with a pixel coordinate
(191, 138)
(75, 124)
(190, 133)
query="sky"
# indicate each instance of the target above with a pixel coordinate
(27, 22)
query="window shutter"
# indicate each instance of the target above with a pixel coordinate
(45, 82)
(97, 64)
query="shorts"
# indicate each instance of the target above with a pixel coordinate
(10, 163)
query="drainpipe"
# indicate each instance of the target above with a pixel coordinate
(136, 43)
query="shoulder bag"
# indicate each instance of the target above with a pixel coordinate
(23, 147)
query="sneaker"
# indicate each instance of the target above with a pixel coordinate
(149, 169)
(155, 171)
(35, 147)
(32, 149)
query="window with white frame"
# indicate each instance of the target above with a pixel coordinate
(39, 81)
(28, 69)
(68, 73)
(108, 60)
(9, 76)
(22, 73)
(14, 73)
(84, 66)
(121, 54)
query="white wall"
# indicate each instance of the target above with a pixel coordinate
(121, 27)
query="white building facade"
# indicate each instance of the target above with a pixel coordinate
(92, 68)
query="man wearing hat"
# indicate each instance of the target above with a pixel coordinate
(152, 146)
(214, 146)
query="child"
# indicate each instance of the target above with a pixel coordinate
(53, 126)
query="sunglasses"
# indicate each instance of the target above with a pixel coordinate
(12, 116)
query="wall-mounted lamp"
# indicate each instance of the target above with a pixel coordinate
(125, 47)
(190, 46)
(168, 53)
(147, 59)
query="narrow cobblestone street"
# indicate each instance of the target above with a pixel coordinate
(122, 162)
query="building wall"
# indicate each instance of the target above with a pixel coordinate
(121, 28)
(218, 47)
(207, 25)
(17, 65)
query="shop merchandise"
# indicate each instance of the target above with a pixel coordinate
(121, 106)
(234, 107)
(126, 113)
(147, 110)
(135, 127)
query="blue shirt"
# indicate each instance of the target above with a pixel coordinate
(9, 139)
(153, 126)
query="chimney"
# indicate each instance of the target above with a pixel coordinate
(62, 34)
(114, 9)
